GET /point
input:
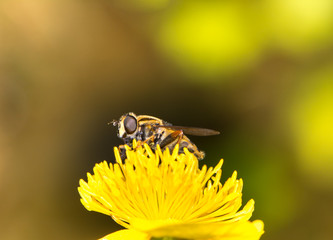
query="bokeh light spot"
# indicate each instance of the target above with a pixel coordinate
(299, 26)
(209, 38)
(311, 123)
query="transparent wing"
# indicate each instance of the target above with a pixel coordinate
(194, 131)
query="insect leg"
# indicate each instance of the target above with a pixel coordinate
(151, 138)
(171, 138)
(178, 134)
(122, 152)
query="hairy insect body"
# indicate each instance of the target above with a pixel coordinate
(167, 138)
(154, 131)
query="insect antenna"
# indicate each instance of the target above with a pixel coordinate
(113, 122)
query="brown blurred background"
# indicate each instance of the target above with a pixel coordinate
(261, 72)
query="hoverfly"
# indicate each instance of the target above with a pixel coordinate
(153, 131)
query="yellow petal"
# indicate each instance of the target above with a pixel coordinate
(227, 231)
(126, 234)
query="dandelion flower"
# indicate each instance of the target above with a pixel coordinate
(166, 195)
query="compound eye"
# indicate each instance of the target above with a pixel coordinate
(130, 124)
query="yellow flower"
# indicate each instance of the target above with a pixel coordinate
(163, 194)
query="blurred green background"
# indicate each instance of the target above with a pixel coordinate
(260, 71)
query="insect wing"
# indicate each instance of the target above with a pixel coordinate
(194, 131)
